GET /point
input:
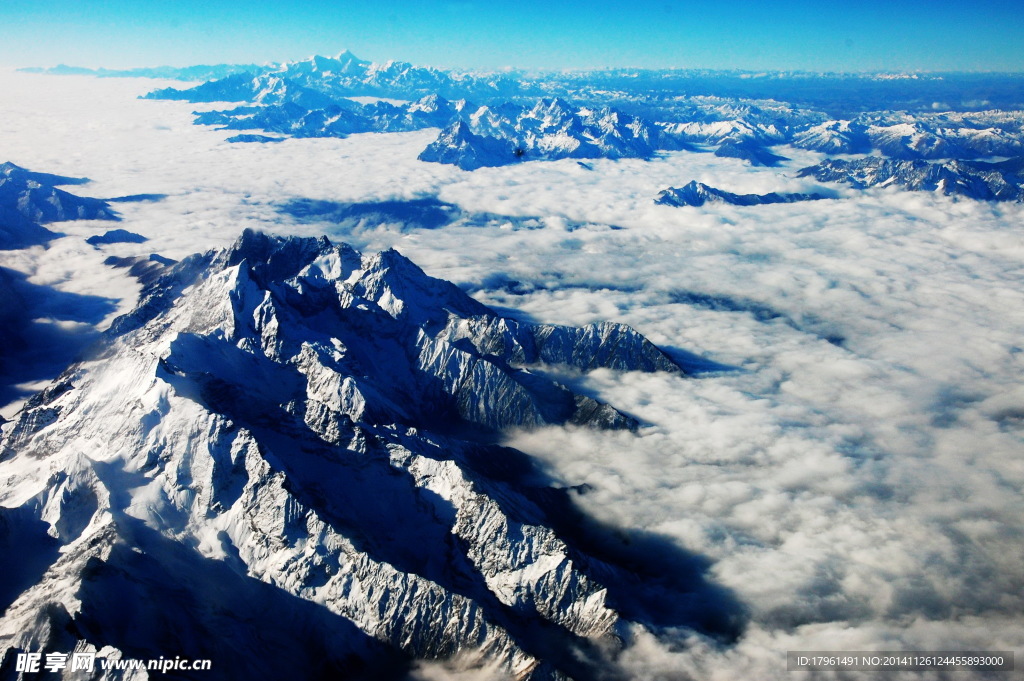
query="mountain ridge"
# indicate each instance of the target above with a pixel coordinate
(696, 193)
(310, 98)
(979, 180)
(306, 416)
(29, 198)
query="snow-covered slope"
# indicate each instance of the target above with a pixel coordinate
(458, 145)
(834, 137)
(288, 433)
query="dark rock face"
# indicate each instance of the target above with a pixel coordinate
(750, 151)
(116, 236)
(28, 199)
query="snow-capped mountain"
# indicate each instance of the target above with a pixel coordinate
(834, 137)
(472, 136)
(906, 141)
(985, 181)
(309, 98)
(697, 194)
(549, 130)
(28, 198)
(950, 135)
(346, 76)
(290, 434)
(344, 64)
(705, 129)
(337, 119)
(459, 145)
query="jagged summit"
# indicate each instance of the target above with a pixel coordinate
(291, 412)
(471, 137)
(458, 145)
(551, 129)
(567, 118)
(450, 345)
(344, 64)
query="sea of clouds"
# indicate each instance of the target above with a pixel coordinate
(850, 458)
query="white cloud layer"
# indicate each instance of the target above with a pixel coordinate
(856, 480)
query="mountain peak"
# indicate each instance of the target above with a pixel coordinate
(339, 413)
(347, 56)
(259, 246)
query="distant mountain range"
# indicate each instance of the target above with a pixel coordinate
(472, 136)
(199, 72)
(523, 117)
(346, 76)
(283, 113)
(697, 194)
(550, 129)
(551, 116)
(984, 181)
(842, 95)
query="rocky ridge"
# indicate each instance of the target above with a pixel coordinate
(697, 194)
(294, 414)
(980, 180)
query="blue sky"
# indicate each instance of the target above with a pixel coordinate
(788, 34)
